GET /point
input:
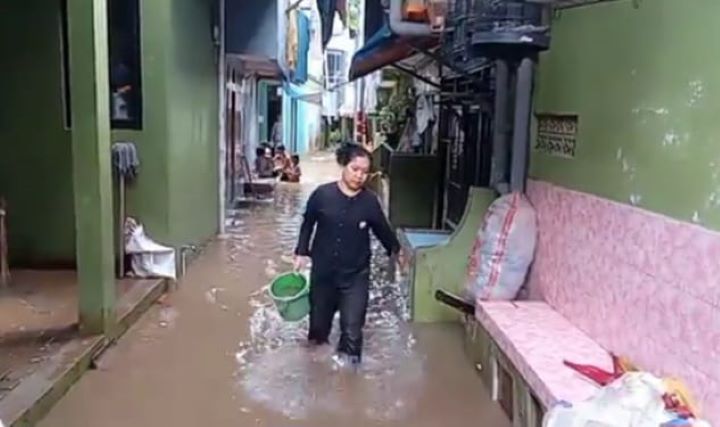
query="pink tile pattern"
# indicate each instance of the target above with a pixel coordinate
(537, 339)
(640, 284)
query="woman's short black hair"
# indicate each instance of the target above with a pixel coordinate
(260, 151)
(347, 152)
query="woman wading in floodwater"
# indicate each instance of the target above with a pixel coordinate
(342, 213)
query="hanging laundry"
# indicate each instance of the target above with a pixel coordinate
(327, 9)
(300, 75)
(342, 9)
(424, 113)
(291, 40)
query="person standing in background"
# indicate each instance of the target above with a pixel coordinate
(276, 136)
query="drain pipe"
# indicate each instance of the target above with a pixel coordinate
(403, 28)
(185, 254)
(222, 91)
(501, 151)
(521, 127)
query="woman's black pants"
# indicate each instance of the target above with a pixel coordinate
(348, 293)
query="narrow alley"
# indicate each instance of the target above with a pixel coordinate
(544, 268)
(216, 353)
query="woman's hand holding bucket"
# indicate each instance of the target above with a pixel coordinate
(300, 263)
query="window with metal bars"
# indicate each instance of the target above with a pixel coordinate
(336, 76)
(335, 67)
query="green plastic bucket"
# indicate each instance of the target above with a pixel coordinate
(291, 294)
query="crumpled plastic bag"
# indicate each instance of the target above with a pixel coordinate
(148, 258)
(634, 400)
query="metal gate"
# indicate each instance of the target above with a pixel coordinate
(467, 133)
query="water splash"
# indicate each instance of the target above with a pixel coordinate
(276, 369)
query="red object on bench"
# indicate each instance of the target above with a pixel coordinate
(600, 376)
(538, 341)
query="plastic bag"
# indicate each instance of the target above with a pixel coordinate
(634, 400)
(147, 258)
(637, 399)
(504, 249)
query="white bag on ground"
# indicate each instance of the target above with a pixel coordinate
(504, 249)
(147, 258)
(635, 400)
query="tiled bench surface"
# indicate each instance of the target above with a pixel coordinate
(537, 339)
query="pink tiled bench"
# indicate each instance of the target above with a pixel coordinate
(536, 340)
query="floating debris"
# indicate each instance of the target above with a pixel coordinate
(212, 295)
(168, 317)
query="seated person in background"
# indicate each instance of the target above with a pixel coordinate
(263, 163)
(292, 173)
(281, 160)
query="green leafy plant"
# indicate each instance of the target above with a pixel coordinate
(353, 16)
(393, 107)
(335, 136)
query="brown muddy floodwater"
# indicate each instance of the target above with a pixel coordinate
(215, 353)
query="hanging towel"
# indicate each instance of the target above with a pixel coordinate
(125, 159)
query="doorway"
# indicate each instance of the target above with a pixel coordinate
(270, 112)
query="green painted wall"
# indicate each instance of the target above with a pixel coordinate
(35, 150)
(193, 122)
(176, 193)
(445, 266)
(646, 84)
(148, 197)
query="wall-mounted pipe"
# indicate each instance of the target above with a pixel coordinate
(521, 127)
(403, 28)
(222, 124)
(501, 150)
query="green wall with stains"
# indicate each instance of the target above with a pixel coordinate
(148, 198)
(176, 193)
(35, 148)
(193, 121)
(645, 83)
